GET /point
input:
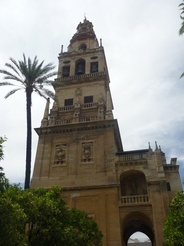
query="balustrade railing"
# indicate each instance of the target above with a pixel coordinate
(80, 76)
(66, 108)
(89, 105)
(134, 199)
(90, 118)
(63, 121)
(130, 157)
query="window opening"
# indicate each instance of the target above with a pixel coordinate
(82, 47)
(168, 186)
(88, 99)
(66, 71)
(80, 67)
(94, 67)
(69, 102)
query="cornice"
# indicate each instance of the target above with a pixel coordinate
(83, 126)
(90, 187)
(78, 79)
(83, 53)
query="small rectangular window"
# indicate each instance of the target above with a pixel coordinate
(94, 67)
(88, 99)
(66, 71)
(168, 186)
(69, 102)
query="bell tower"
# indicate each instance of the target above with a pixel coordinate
(79, 138)
(80, 149)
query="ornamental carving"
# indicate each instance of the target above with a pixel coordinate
(87, 152)
(60, 154)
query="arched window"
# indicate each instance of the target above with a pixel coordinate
(80, 67)
(133, 183)
(66, 71)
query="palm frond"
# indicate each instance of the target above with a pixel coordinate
(15, 63)
(11, 92)
(12, 67)
(46, 69)
(42, 79)
(49, 93)
(182, 75)
(6, 83)
(181, 4)
(40, 92)
(29, 64)
(10, 76)
(25, 62)
(34, 65)
(181, 30)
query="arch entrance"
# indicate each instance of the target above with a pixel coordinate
(137, 224)
(139, 239)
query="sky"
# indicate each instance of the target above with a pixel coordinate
(145, 58)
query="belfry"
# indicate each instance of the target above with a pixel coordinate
(80, 149)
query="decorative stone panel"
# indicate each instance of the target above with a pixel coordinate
(87, 152)
(60, 155)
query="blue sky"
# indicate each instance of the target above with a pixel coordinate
(145, 57)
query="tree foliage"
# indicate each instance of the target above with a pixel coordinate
(2, 140)
(174, 223)
(181, 30)
(4, 184)
(30, 76)
(47, 218)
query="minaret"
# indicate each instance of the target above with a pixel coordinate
(79, 138)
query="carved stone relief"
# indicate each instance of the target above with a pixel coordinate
(78, 92)
(60, 154)
(87, 152)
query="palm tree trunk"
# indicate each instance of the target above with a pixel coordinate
(28, 144)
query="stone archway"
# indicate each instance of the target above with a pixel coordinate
(134, 224)
(133, 183)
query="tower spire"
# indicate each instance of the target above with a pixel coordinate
(46, 113)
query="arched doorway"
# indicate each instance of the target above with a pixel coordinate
(139, 239)
(137, 223)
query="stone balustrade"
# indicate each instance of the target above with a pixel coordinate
(65, 79)
(88, 118)
(89, 105)
(127, 200)
(131, 157)
(66, 108)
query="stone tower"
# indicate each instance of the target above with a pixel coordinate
(80, 150)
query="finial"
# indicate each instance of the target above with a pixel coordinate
(100, 42)
(156, 146)
(149, 145)
(61, 48)
(84, 16)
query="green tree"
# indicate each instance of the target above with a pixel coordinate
(47, 218)
(3, 181)
(30, 76)
(174, 222)
(2, 140)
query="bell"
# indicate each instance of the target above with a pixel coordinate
(79, 71)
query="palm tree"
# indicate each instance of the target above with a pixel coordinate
(181, 30)
(30, 76)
